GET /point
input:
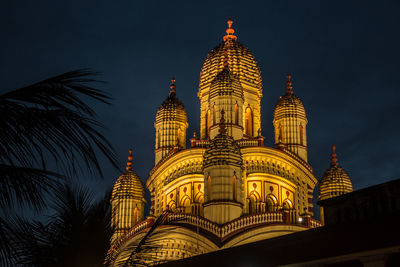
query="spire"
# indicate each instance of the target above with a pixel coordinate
(129, 163)
(289, 88)
(230, 31)
(334, 158)
(222, 128)
(172, 86)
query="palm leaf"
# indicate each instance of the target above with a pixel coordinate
(76, 234)
(50, 120)
(51, 116)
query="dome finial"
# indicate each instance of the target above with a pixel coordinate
(334, 156)
(289, 88)
(230, 31)
(129, 163)
(172, 86)
(222, 128)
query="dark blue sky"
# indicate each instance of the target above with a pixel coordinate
(344, 57)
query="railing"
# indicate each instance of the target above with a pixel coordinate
(199, 142)
(138, 227)
(224, 230)
(315, 223)
(112, 252)
(253, 142)
(258, 141)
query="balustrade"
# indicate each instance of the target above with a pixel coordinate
(223, 230)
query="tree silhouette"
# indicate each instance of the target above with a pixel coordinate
(49, 121)
(76, 234)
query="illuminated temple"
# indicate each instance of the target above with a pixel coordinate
(227, 188)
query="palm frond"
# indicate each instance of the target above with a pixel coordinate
(75, 236)
(52, 118)
(26, 185)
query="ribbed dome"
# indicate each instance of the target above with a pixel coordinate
(335, 181)
(223, 150)
(225, 83)
(128, 185)
(241, 63)
(171, 109)
(289, 105)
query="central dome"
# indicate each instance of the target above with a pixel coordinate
(223, 150)
(241, 63)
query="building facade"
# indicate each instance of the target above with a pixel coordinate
(227, 188)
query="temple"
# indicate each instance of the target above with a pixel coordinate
(227, 188)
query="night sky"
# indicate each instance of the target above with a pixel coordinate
(344, 57)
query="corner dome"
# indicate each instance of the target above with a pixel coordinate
(241, 63)
(172, 108)
(289, 105)
(335, 181)
(223, 150)
(128, 185)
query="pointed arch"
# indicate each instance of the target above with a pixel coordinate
(301, 134)
(236, 114)
(249, 121)
(179, 137)
(234, 179)
(253, 203)
(135, 216)
(271, 202)
(287, 204)
(158, 138)
(214, 115)
(208, 187)
(185, 201)
(207, 129)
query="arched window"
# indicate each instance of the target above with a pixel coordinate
(271, 203)
(287, 204)
(185, 204)
(234, 186)
(179, 137)
(280, 137)
(249, 122)
(301, 134)
(159, 139)
(253, 204)
(214, 114)
(207, 130)
(236, 114)
(135, 215)
(208, 187)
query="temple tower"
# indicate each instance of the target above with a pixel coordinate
(243, 70)
(223, 181)
(127, 201)
(334, 182)
(170, 124)
(226, 94)
(290, 123)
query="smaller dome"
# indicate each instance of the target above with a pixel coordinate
(222, 149)
(172, 108)
(128, 185)
(335, 181)
(225, 83)
(289, 105)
